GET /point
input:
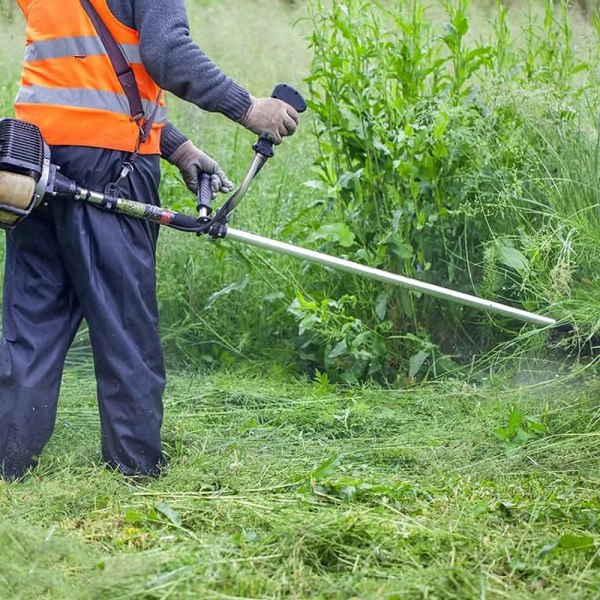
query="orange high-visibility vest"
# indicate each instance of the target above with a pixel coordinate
(68, 86)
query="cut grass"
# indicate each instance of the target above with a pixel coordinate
(280, 487)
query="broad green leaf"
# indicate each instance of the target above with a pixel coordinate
(307, 323)
(232, 287)
(402, 250)
(512, 258)
(166, 510)
(461, 24)
(569, 541)
(502, 433)
(536, 427)
(134, 516)
(340, 349)
(326, 468)
(576, 542)
(381, 305)
(515, 420)
(440, 124)
(334, 232)
(415, 362)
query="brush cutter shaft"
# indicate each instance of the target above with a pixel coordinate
(188, 223)
(398, 280)
(139, 210)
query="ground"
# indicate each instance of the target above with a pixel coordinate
(280, 487)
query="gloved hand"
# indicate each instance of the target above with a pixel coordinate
(191, 162)
(270, 118)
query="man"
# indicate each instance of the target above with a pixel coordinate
(70, 261)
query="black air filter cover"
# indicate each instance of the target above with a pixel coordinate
(21, 148)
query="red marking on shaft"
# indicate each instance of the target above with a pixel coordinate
(166, 217)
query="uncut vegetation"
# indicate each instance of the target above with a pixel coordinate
(453, 143)
(453, 147)
(468, 162)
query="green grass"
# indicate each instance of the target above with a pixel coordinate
(281, 487)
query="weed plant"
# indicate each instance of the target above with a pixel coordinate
(448, 159)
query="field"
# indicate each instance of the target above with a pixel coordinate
(327, 438)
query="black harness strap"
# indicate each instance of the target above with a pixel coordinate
(119, 62)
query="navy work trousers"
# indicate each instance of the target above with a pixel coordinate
(71, 261)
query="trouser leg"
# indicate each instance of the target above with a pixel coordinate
(111, 261)
(40, 318)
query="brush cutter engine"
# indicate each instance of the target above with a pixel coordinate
(25, 170)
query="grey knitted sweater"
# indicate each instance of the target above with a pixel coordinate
(177, 64)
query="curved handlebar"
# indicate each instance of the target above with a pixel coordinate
(289, 95)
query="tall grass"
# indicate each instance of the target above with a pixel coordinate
(220, 302)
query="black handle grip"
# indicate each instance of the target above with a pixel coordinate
(204, 195)
(183, 221)
(289, 95)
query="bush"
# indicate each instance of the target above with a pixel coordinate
(429, 165)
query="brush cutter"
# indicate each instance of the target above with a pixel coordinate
(28, 178)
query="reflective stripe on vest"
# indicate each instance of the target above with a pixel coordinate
(68, 86)
(76, 46)
(78, 98)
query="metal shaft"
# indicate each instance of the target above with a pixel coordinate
(387, 277)
(189, 223)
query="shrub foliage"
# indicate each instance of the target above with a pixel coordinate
(448, 159)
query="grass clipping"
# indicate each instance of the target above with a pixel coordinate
(287, 488)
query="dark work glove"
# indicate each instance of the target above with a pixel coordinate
(270, 118)
(191, 162)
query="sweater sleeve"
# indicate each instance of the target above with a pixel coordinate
(171, 138)
(178, 65)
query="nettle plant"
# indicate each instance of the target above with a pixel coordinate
(415, 145)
